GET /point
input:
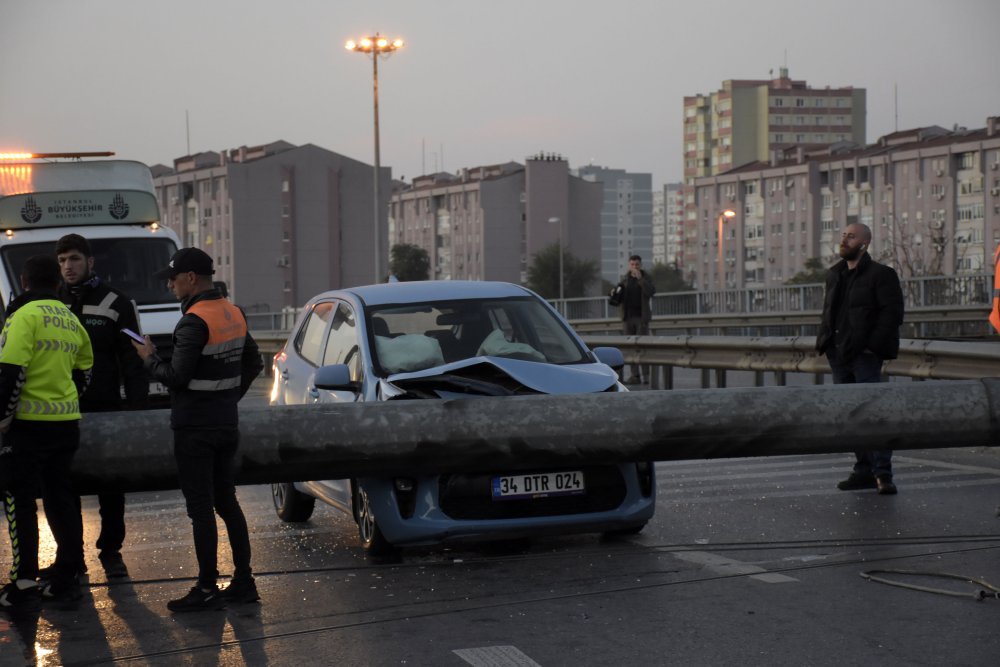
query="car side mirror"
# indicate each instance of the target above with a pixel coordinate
(610, 356)
(334, 377)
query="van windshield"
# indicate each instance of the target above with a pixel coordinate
(124, 263)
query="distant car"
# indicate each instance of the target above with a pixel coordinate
(454, 339)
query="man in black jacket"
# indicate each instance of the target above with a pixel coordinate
(214, 362)
(862, 313)
(633, 294)
(104, 312)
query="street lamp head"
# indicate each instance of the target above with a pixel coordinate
(729, 213)
(375, 44)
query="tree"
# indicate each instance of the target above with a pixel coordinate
(814, 272)
(543, 274)
(409, 262)
(668, 278)
(918, 249)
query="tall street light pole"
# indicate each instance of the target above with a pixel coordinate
(723, 217)
(376, 46)
(558, 221)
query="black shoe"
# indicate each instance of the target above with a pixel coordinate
(114, 566)
(61, 593)
(198, 599)
(241, 591)
(885, 486)
(48, 573)
(12, 597)
(857, 481)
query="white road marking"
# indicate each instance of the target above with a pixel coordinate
(495, 656)
(729, 566)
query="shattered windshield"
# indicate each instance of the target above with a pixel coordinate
(413, 337)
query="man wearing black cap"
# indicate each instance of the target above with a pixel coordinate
(214, 362)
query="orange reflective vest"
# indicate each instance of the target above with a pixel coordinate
(220, 367)
(995, 313)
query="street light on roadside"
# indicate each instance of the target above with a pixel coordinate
(558, 221)
(723, 218)
(375, 46)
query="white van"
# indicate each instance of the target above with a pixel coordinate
(111, 203)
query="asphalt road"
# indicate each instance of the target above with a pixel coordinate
(747, 561)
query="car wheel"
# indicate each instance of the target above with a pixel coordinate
(291, 504)
(371, 536)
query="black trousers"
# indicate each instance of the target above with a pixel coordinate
(112, 522)
(634, 326)
(42, 456)
(112, 505)
(206, 466)
(112, 508)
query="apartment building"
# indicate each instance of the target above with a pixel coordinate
(487, 222)
(931, 197)
(626, 217)
(673, 240)
(659, 227)
(283, 222)
(745, 120)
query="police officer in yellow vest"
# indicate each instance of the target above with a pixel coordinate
(45, 361)
(214, 362)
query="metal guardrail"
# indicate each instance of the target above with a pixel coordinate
(943, 322)
(934, 292)
(936, 307)
(918, 359)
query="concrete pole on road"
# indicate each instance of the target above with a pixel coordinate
(132, 451)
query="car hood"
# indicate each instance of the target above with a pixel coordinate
(540, 377)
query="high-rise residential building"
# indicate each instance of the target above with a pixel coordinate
(282, 222)
(626, 217)
(659, 227)
(487, 223)
(746, 119)
(931, 197)
(673, 205)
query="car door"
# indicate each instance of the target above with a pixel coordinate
(303, 355)
(341, 347)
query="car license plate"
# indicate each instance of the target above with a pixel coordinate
(538, 485)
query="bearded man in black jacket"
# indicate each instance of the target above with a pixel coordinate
(104, 312)
(862, 313)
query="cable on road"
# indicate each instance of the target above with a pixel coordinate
(987, 591)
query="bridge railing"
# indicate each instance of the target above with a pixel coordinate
(925, 292)
(936, 307)
(779, 356)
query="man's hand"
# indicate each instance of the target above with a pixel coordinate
(635, 273)
(144, 350)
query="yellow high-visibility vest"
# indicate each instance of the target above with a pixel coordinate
(50, 343)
